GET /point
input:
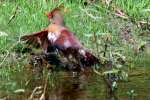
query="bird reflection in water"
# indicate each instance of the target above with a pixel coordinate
(72, 87)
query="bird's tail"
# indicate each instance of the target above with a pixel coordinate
(88, 59)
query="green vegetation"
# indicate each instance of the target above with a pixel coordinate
(95, 23)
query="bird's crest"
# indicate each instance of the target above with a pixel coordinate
(57, 10)
(52, 13)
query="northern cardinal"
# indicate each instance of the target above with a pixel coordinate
(58, 36)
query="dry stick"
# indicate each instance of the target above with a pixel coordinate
(45, 87)
(105, 49)
(33, 92)
(106, 80)
(4, 58)
(98, 73)
(112, 95)
(147, 24)
(95, 40)
(14, 14)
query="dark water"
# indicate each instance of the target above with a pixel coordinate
(79, 86)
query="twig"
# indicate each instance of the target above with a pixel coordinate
(105, 49)
(98, 73)
(4, 58)
(33, 92)
(111, 94)
(14, 14)
(45, 87)
(95, 40)
(28, 81)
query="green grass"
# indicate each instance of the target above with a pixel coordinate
(30, 18)
(136, 9)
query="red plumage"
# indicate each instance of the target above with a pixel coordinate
(38, 38)
(63, 40)
(67, 37)
(66, 43)
(52, 13)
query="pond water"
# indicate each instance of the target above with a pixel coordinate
(78, 86)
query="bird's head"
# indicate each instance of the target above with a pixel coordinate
(53, 13)
(55, 16)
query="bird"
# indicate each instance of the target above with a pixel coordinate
(58, 37)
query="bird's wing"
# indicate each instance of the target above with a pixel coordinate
(69, 44)
(38, 38)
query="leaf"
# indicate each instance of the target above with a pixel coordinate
(3, 34)
(19, 91)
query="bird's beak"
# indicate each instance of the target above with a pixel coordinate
(48, 15)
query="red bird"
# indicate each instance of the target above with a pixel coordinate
(61, 38)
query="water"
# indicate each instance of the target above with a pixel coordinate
(81, 86)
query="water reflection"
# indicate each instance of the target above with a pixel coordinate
(71, 88)
(81, 86)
